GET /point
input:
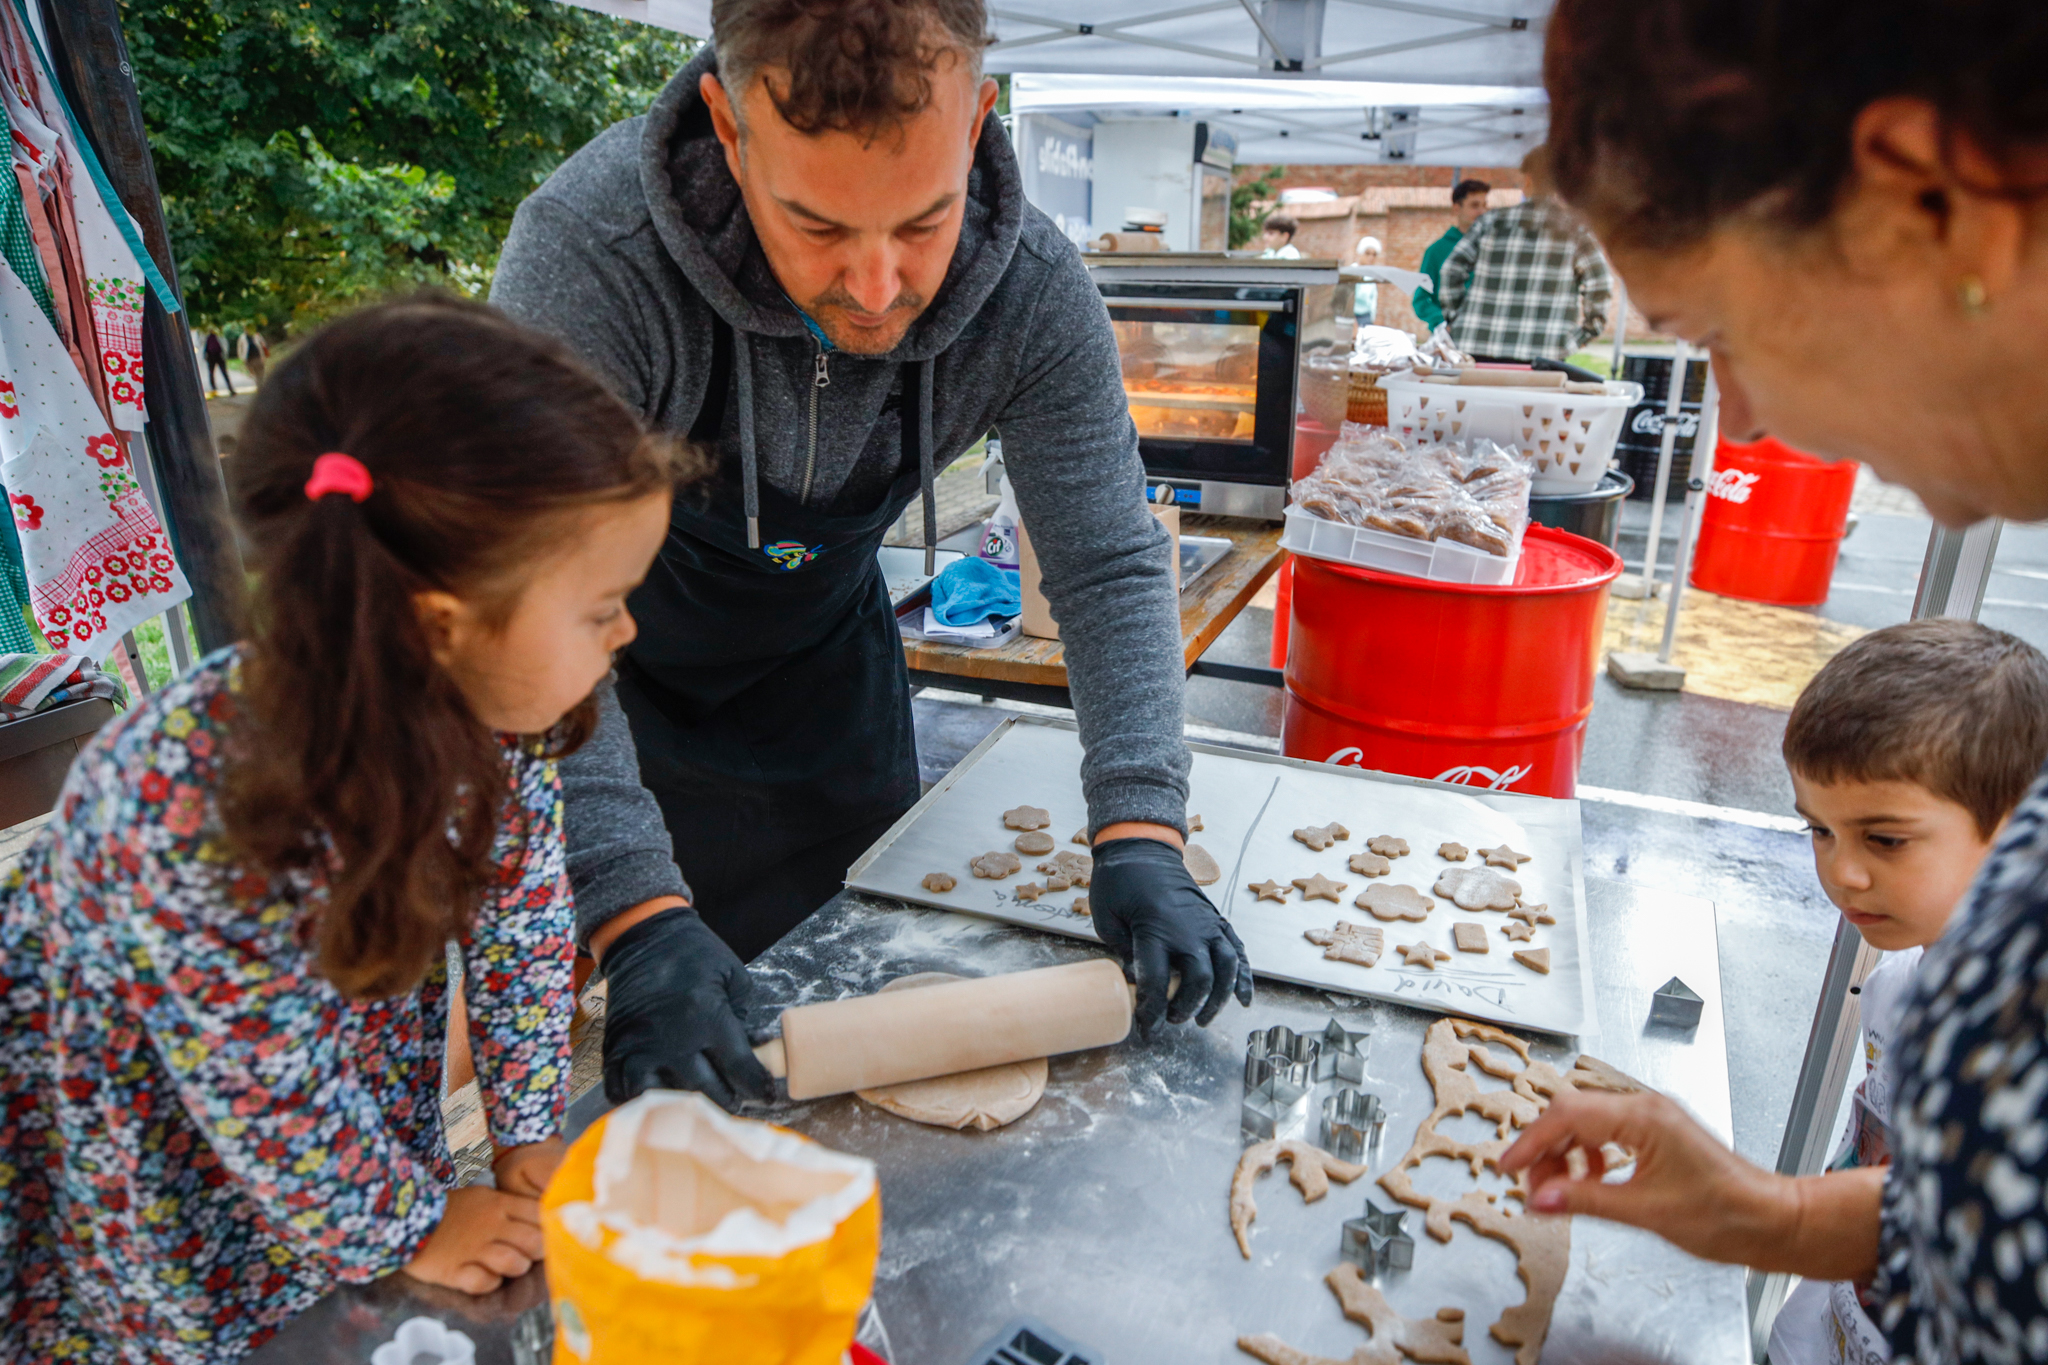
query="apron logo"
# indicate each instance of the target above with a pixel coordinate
(791, 554)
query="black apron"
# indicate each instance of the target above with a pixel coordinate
(767, 691)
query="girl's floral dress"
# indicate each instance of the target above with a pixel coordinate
(200, 1136)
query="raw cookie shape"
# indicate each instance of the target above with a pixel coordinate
(982, 1100)
(1427, 1341)
(1346, 941)
(1077, 868)
(1387, 846)
(1370, 865)
(1269, 890)
(1081, 836)
(1478, 888)
(1421, 955)
(1503, 857)
(1389, 902)
(1317, 887)
(938, 881)
(1468, 937)
(1542, 1245)
(1533, 915)
(1519, 932)
(1451, 851)
(1055, 882)
(1029, 891)
(1310, 1168)
(1027, 817)
(1194, 824)
(1081, 906)
(1320, 837)
(1535, 959)
(995, 864)
(1035, 842)
(1201, 865)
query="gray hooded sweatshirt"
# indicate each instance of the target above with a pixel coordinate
(634, 244)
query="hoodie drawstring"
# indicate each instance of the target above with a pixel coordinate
(750, 477)
(927, 478)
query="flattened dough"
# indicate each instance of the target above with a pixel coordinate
(1421, 955)
(1082, 907)
(1320, 837)
(1519, 932)
(1035, 842)
(983, 1100)
(939, 881)
(1503, 856)
(1390, 902)
(1027, 817)
(1451, 851)
(1029, 891)
(1310, 1168)
(1370, 865)
(1317, 887)
(1077, 868)
(1478, 888)
(1269, 890)
(1467, 937)
(995, 864)
(1395, 1339)
(1533, 915)
(1535, 959)
(1346, 941)
(1387, 846)
(1201, 865)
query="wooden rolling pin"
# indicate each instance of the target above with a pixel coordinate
(872, 1040)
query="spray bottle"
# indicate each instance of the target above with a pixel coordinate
(999, 535)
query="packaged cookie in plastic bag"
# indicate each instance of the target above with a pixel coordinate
(1471, 492)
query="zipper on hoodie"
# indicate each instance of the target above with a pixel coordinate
(820, 378)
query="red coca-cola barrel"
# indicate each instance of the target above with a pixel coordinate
(1488, 686)
(1773, 524)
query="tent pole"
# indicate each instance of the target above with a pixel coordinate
(1665, 446)
(91, 58)
(1701, 478)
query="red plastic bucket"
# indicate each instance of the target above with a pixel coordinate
(1489, 686)
(1283, 600)
(1773, 524)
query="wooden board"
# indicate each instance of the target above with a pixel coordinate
(1210, 603)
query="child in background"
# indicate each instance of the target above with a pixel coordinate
(1907, 752)
(224, 983)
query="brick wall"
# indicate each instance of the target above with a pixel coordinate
(1357, 179)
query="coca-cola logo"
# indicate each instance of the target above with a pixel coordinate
(1735, 485)
(1649, 421)
(1465, 774)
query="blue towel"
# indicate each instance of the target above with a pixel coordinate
(969, 591)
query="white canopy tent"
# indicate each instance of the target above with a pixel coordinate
(1324, 81)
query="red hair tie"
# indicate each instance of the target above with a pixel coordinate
(336, 472)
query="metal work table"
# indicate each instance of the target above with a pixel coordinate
(1034, 670)
(1102, 1212)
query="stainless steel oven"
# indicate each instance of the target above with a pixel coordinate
(1212, 348)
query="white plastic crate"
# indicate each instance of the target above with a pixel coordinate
(1444, 561)
(1568, 438)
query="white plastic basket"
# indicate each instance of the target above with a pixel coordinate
(1445, 561)
(1568, 438)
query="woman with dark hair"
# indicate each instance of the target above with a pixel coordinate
(1846, 202)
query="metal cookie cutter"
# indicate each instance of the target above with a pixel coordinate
(1275, 1108)
(1349, 1120)
(1340, 1054)
(1280, 1051)
(1677, 1004)
(1376, 1242)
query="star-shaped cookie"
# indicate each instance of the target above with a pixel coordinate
(1421, 955)
(1387, 846)
(1269, 890)
(1029, 891)
(1503, 857)
(1389, 902)
(1317, 887)
(1519, 933)
(1370, 865)
(1533, 915)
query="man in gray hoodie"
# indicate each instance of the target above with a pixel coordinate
(813, 255)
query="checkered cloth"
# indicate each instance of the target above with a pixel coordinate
(37, 682)
(1527, 283)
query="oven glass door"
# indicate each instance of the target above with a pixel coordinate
(1211, 388)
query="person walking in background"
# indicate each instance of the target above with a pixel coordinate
(1468, 204)
(1365, 295)
(216, 353)
(255, 354)
(1528, 282)
(1278, 235)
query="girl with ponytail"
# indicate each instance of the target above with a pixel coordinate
(225, 965)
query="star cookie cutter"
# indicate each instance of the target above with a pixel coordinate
(1676, 1004)
(1340, 1054)
(1376, 1242)
(1280, 1051)
(1350, 1118)
(1275, 1108)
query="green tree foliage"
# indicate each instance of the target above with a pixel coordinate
(314, 153)
(1246, 218)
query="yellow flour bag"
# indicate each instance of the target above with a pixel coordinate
(676, 1232)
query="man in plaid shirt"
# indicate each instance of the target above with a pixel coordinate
(1527, 283)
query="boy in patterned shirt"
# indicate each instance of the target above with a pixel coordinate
(1907, 753)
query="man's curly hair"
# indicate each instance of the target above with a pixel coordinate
(857, 66)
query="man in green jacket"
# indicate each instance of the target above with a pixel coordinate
(1468, 201)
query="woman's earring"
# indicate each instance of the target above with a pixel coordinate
(1970, 294)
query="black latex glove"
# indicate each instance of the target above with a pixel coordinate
(1153, 916)
(676, 998)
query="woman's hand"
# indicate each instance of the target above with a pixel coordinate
(527, 1170)
(485, 1238)
(1694, 1192)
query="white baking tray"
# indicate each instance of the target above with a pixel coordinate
(1250, 805)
